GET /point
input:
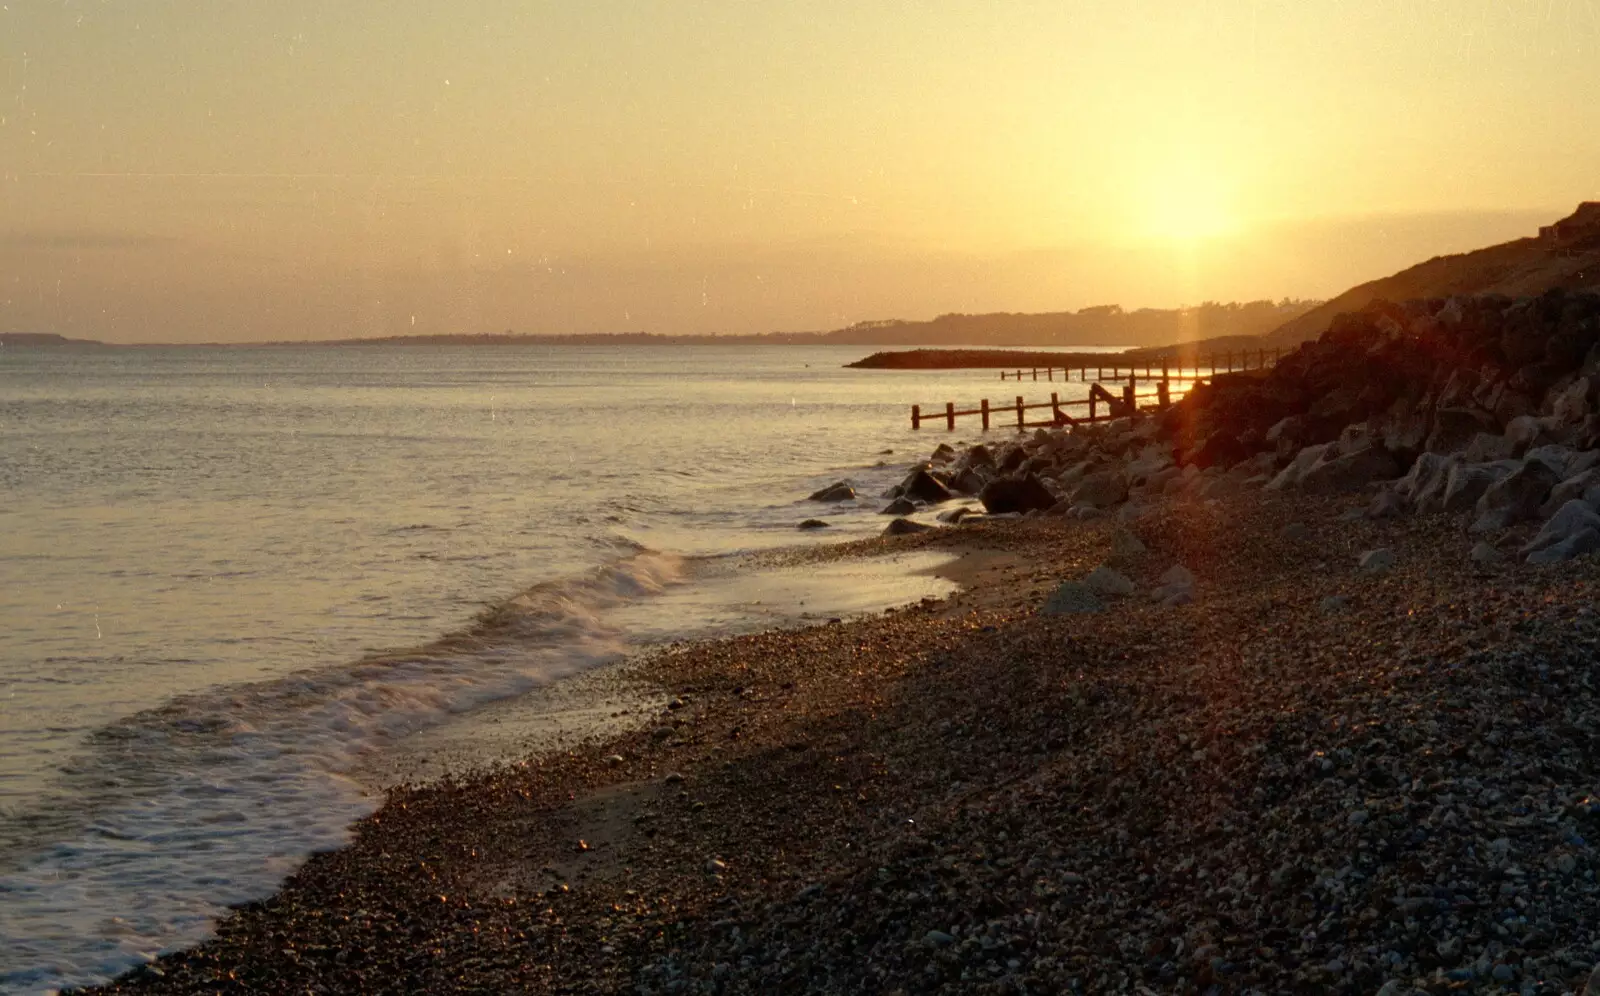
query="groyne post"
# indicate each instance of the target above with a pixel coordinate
(1163, 393)
(916, 416)
(1020, 424)
(983, 409)
(1128, 399)
(950, 415)
(1055, 409)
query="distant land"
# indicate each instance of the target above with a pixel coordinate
(1098, 326)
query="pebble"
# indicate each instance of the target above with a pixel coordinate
(1377, 561)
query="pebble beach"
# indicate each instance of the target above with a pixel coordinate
(1309, 776)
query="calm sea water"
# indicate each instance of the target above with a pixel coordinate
(224, 575)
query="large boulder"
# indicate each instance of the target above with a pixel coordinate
(1465, 484)
(1016, 494)
(1579, 543)
(922, 485)
(1574, 487)
(1102, 489)
(1571, 518)
(1454, 428)
(1515, 498)
(1219, 449)
(1349, 472)
(1424, 470)
(1290, 476)
(1485, 447)
(1574, 402)
(905, 527)
(1105, 581)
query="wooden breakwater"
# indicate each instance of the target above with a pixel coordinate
(1102, 405)
(1184, 368)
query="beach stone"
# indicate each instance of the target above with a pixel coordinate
(969, 481)
(954, 515)
(813, 524)
(900, 506)
(1582, 542)
(1105, 581)
(1572, 517)
(905, 527)
(1515, 497)
(1485, 553)
(1085, 513)
(837, 491)
(920, 485)
(1070, 598)
(943, 453)
(1102, 489)
(1295, 532)
(1126, 546)
(1178, 574)
(1386, 504)
(1009, 494)
(1377, 561)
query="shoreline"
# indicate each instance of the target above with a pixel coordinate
(969, 796)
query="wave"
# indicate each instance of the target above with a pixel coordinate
(173, 814)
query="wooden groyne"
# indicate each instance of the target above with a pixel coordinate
(1186, 368)
(1102, 405)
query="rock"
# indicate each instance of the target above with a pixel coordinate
(1126, 546)
(613, 760)
(1377, 561)
(1333, 604)
(1464, 485)
(1485, 447)
(1573, 487)
(1591, 985)
(1177, 595)
(977, 456)
(813, 524)
(1484, 553)
(1295, 532)
(1105, 581)
(943, 453)
(938, 938)
(1219, 449)
(921, 485)
(1576, 545)
(900, 506)
(1130, 513)
(1303, 461)
(1515, 497)
(1085, 513)
(1574, 402)
(837, 491)
(954, 515)
(1552, 455)
(1386, 504)
(1454, 429)
(1178, 574)
(1102, 489)
(1070, 598)
(1525, 433)
(904, 527)
(1010, 494)
(969, 481)
(1350, 472)
(1424, 470)
(1570, 518)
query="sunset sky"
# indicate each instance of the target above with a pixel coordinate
(187, 170)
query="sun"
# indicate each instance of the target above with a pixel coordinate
(1187, 202)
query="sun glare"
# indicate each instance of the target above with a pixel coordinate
(1188, 203)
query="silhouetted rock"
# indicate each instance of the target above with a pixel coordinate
(923, 485)
(1016, 494)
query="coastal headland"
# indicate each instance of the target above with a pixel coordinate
(1287, 689)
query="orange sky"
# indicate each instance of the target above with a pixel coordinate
(187, 170)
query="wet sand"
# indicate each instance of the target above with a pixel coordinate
(1261, 791)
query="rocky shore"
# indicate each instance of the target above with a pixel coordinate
(1235, 701)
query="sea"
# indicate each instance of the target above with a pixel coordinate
(232, 579)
